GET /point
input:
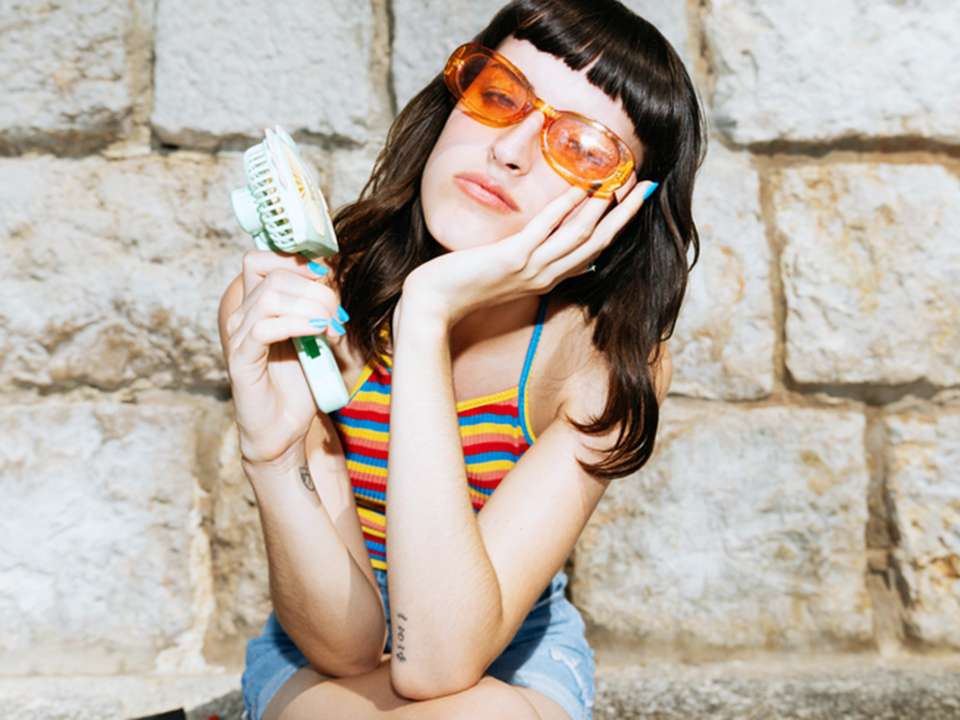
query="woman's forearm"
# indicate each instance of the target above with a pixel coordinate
(322, 598)
(444, 594)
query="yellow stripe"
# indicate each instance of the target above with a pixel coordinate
(365, 433)
(365, 469)
(374, 396)
(371, 531)
(491, 465)
(362, 379)
(495, 397)
(489, 428)
(372, 516)
(476, 494)
(526, 406)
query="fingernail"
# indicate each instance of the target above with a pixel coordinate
(337, 327)
(318, 268)
(319, 323)
(342, 314)
(649, 191)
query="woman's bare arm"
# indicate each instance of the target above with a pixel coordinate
(321, 582)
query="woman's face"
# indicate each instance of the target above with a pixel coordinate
(454, 209)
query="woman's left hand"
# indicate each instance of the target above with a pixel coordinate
(549, 249)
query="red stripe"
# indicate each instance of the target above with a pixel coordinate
(500, 408)
(362, 484)
(368, 452)
(359, 443)
(490, 484)
(490, 446)
(356, 413)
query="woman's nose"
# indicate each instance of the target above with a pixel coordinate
(516, 146)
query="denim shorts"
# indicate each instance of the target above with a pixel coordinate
(549, 653)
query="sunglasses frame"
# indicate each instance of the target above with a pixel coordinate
(601, 188)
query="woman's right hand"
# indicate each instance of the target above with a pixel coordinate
(274, 404)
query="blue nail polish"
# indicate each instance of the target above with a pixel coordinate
(318, 268)
(342, 314)
(649, 191)
(337, 326)
(319, 323)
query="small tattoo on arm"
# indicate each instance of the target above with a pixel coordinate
(398, 643)
(305, 477)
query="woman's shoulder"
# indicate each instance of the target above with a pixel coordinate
(583, 371)
(575, 371)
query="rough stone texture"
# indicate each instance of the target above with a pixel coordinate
(923, 492)
(871, 272)
(113, 271)
(70, 75)
(831, 69)
(104, 554)
(854, 688)
(744, 531)
(120, 697)
(239, 561)
(349, 170)
(449, 24)
(219, 72)
(723, 344)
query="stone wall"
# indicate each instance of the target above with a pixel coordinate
(804, 496)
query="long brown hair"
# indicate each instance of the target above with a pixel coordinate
(640, 281)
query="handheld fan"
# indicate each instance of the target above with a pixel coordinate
(284, 211)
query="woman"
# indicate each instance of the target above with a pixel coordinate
(495, 241)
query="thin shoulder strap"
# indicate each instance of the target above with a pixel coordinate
(527, 363)
(534, 341)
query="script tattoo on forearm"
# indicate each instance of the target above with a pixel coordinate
(398, 643)
(305, 477)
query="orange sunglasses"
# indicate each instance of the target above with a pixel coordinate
(493, 91)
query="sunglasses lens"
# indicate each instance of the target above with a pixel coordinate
(489, 89)
(582, 149)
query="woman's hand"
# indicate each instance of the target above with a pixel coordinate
(274, 405)
(550, 248)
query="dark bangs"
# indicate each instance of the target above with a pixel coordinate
(635, 64)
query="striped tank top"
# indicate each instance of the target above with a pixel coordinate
(494, 431)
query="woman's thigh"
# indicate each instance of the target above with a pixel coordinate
(309, 695)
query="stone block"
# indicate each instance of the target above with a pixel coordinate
(871, 272)
(827, 70)
(922, 462)
(745, 531)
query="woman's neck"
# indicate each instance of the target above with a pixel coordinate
(490, 324)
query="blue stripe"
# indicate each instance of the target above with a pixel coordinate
(375, 494)
(541, 314)
(374, 545)
(366, 459)
(488, 417)
(491, 455)
(482, 491)
(365, 424)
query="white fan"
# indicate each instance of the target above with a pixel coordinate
(283, 209)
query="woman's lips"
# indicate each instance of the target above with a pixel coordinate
(482, 195)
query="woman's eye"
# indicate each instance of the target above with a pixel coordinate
(590, 156)
(498, 97)
(575, 147)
